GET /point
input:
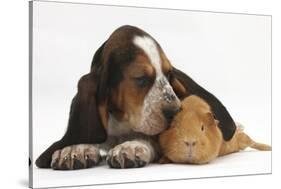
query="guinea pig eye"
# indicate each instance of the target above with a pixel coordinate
(202, 128)
(142, 81)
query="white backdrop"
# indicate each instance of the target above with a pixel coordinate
(228, 54)
(14, 63)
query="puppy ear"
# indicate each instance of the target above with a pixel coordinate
(100, 70)
(177, 85)
(178, 88)
(88, 113)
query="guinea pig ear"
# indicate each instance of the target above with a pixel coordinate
(217, 122)
(210, 119)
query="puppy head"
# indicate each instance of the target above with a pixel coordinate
(138, 81)
(194, 136)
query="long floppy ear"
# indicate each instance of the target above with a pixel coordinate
(226, 123)
(178, 87)
(88, 115)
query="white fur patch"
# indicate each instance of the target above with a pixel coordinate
(150, 48)
(116, 128)
(152, 121)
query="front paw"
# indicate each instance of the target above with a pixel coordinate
(78, 156)
(130, 154)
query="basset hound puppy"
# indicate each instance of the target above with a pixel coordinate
(129, 96)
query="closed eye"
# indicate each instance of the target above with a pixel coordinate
(142, 81)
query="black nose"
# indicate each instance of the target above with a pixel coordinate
(169, 113)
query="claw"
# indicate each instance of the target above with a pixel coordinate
(64, 166)
(90, 163)
(77, 164)
(121, 159)
(74, 156)
(114, 163)
(129, 163)
(55, 165)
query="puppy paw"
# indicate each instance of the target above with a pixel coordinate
(130, 154)
(78, 156)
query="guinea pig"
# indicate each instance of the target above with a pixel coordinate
(195, 138)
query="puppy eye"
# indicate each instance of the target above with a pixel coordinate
(142, 81)
(202, 128)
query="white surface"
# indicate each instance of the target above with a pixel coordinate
(228, 54)
(247, 162)
(13, 16)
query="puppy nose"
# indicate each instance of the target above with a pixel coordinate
(191, 143)
(169, 113)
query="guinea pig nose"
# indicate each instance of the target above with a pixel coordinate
(191, 143)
